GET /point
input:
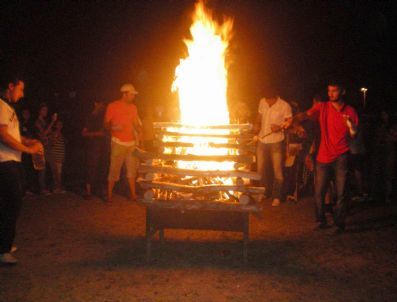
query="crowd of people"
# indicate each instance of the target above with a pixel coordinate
(49, 134)
(322, 149)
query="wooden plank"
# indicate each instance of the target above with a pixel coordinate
(205, 135)
(152, 184)
(179, 125)
(189, 157)
(188, 172)
(163, 218)
(202, 205)
(240, 147)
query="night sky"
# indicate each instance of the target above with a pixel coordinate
(94, 46)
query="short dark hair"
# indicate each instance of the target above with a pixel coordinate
(338, 83)
(5, 80)
(42, 105)
(271, 91)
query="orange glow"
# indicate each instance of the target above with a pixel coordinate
(201, 84)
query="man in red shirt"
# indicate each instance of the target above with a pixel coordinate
(122, 120)
(338, 123)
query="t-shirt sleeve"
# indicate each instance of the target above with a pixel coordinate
(287, 111)
(313, 112)
(4, 118)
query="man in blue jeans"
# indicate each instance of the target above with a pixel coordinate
(272, 114)
(338, 124)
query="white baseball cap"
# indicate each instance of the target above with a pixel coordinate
(128, 88)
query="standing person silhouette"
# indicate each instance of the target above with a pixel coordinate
(122, 119)
(338, 123)
(12, 145)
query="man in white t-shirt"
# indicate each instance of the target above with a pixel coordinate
(273, 112)
(12, 144)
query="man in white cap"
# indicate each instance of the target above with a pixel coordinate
(122, 120)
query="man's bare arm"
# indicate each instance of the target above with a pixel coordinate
(300, 117)
(11, 142)
(257, 123)
(351, 126)
(28, 141)
(138, 128)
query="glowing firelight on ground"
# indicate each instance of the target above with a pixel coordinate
(201, 84)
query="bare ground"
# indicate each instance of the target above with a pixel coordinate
(76, 250)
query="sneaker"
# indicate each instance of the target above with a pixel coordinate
(7, 258)
(59, 191)
(291, 198)
(14, 248)
(359, 198)
(340, 230)
(45, 192)
(276, 202)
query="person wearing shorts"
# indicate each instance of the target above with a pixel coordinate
(122, 120)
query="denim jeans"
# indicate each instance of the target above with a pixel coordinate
(324, 172)
(271, 154)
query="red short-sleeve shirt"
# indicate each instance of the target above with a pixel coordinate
(334, 131)
(123, 115)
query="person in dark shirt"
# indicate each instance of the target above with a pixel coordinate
(384, 157)
(26, 125)
(96, 157)
(43, 130)
(29, 177)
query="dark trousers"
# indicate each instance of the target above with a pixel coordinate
(97, 162)
(10, 202)
(324, 172)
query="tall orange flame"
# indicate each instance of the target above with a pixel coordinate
(201, 84)
(201, 78)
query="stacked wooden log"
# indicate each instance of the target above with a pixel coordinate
(164, 178)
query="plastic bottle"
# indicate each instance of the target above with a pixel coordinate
(38, 161)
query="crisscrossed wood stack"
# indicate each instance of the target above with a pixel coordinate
(164, 181)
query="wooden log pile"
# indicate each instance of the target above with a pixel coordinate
(164, 179)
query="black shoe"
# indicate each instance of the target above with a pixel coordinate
(322, 226)
(329, 209)
(340, 229)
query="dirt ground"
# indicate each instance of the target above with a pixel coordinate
(71, 249)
